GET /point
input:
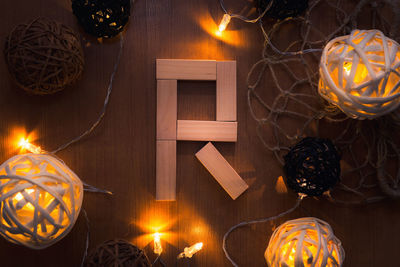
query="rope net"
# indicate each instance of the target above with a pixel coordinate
(286, 110)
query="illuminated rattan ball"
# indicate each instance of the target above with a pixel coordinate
(102, 18)
(304, 242)
(360, 73)
(282, 9)
(312, 166)
(44, 56)
(117, 253)
(40, 200)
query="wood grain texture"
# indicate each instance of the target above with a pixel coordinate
(167, 109)
(217, 131)
(166, 170)
(221, 170)
(185, 69)
(226, 91)
(120, 155)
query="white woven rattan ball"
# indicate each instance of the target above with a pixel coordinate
(360, 73)
(304, 242)
(40, 200)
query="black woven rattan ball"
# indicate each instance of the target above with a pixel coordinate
(312, 166)
(117, 253)
(102, 18)
(282, 9)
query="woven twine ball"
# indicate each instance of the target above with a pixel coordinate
(282, 9)
(44, 56)
(40, 200)
(360, 74)
(117, 253)
(312, 166)
(102, 18)
(304, 242)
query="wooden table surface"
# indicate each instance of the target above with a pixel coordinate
(120, 154)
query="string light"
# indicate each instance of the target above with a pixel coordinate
(24, 143)
(227, 17)
(157, 244)
(188, 252)
(224, 23)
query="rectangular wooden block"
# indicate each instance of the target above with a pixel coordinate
(226, 91)
(166, 170)
(182, 69)
(222, 171)
(166, 109)
(206, 131)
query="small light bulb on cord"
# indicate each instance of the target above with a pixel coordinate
(157, 244)
(24, 143)
(188, 252)
(224, 23)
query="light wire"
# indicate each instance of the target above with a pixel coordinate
(246, 223)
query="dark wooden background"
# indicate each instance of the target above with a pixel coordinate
(120, 154)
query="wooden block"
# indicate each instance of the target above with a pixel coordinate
(166, 109)
(166, 170)
(206, 131)
(226, 91)
(182, 69)
(222, 171)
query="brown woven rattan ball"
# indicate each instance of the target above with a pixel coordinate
(44, 56)
(117, 253)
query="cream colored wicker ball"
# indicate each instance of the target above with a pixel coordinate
(360, 73)
(304, 242)
(40, 200)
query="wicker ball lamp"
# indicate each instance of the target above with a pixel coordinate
(360, 74)
(102, 18)
(44, 56)
(282, 9)
(117, 253)
(40, 200)
(304, 242)
(312, 166)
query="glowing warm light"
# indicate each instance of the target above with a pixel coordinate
(188, 252)
(228, 36)
(224, 23)
(307, 242)
(359, 73)
(41, 200)
(280, 186)
(24, 143)
(157, 244)
(347, 68)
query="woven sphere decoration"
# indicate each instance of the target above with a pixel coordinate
(44, 56)
(304, 242)
(360, 74)
(40, 200)
(102, 18)
(282, 9)
(117, 253)
(312, 166)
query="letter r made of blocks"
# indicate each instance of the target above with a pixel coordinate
(170, 129)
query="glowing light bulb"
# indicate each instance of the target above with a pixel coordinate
(157, 244)
(347, 67)
(19, 197)
(24, 143)
(224, 23)
(188, 252)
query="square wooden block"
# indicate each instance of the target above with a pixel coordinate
(166, 109)
(217, 131)
(226, 91)
(183, 69)
(166, 170)
(222, 171)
